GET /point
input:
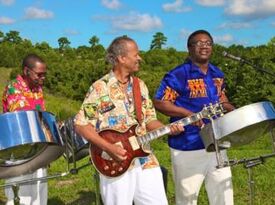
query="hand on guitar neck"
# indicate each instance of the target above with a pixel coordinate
(198, 123)
(176, 129)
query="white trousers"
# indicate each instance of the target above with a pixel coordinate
(35, 193)
(143, 186)
(191, 168)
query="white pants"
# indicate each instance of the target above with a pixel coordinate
(191, 168)
(35, 193)
(143, 186)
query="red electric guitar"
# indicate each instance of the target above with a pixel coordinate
(134, 144)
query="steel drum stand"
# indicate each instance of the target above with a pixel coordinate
(16, 184)
(74, 169)
(249, 164)
(218, 146)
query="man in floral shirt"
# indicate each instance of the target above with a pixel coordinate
(25, 93)
(109, 104)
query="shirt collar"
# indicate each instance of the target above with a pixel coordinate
(113, 79)
(23, 83)
(195, 68)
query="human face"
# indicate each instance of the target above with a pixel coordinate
(200, 49)
(36, 75)
(131, 59)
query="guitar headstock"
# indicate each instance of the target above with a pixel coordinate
(212, 111)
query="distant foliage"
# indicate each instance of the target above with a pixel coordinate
(72, 70)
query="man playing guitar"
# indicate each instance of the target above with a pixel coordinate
(110, 105)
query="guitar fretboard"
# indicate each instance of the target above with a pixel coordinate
(166, 129)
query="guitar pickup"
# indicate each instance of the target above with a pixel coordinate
(105, 155)
(134, 143)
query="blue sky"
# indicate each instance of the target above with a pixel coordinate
(246, 22)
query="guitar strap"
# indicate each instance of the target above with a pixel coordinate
(137, 99)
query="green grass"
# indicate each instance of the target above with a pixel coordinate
(80, 188)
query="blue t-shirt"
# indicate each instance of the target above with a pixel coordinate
(186, 86)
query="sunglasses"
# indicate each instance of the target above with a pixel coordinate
(38, 74)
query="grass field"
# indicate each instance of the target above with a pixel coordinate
(80, 188)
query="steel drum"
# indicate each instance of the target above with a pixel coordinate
(28, 140)
(77, 146)
(240, 127)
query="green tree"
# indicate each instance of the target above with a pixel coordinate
(94, 41)
(271, 42)
(43, 46)
(13, 37)
(63, 43)
(158, 41)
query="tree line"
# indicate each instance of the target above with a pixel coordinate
(72, 70)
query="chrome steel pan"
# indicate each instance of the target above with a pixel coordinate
(242, 125)
(28, 140)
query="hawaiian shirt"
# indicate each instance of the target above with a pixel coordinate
(18, 96)
(106, 106)
(186, 86)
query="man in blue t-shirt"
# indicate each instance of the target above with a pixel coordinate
(184, 91)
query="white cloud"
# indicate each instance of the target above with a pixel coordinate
(225, 39)
(211, 2)
(36, 13)
(71, 32)
(137, 22)
(176, 7)
(132, 22)
(6, 20)
(235, 25)
(111, 4)
(273, 24)
(251, 9)
(7, 2)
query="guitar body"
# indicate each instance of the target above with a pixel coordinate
(128, 140)
(134, 145)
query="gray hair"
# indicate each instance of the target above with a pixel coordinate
(117, 48)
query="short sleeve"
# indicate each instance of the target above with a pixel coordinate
(88, 112)
(148, 108)
(168, 88)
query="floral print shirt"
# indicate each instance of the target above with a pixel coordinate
(18, 96)
(106, 106)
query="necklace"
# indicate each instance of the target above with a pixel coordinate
(123, 83)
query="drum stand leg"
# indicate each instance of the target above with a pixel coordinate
(251, 186)
(219, 158)
(249, 164)
(74, 170)
(218, 155)
(16, 199)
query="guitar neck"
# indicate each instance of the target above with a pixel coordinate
(166, 129)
